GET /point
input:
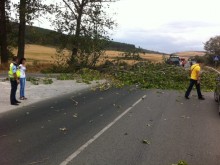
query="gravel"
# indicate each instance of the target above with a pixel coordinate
(36, 93)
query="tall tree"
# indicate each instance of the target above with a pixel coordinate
(84, 20)
(22, 27)
(212, 46)
(3, 32)
(28, 11)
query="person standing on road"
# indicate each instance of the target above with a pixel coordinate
(22, 69)
(195, 79)
(14, 80)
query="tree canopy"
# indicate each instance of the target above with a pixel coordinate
(212, 46)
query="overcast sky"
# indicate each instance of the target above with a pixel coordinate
(166, 25)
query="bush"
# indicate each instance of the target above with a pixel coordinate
(47, 81)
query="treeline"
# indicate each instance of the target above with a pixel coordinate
(46, 37)
(36, 35)
(40, 36)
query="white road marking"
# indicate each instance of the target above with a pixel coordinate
(83, 147)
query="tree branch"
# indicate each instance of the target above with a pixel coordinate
(70, 9)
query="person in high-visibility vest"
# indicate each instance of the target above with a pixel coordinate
(14, 80)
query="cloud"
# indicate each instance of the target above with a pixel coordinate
(161, 43)
(167, 26)
(170, 37)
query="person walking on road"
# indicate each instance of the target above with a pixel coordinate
(14, 80)
(195, 79)
(22, 69)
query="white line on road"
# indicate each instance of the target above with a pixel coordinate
(83, 147)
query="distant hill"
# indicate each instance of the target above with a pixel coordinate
(41, 36)
(191, 53)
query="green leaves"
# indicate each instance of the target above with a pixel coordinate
(147, 76)
(162, 76)
(37, 81)
(181, 162)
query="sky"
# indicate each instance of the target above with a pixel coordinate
(165, 25)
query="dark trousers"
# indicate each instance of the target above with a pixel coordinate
(192, 83)
(14, 86)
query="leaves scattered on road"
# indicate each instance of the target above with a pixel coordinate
(64, 129)
(75, 115)
(181, 163)
(185, 117)
(117, 106)
(39, 162)
(3, 136)
(160, 92)
(146, 142)
(74, 101)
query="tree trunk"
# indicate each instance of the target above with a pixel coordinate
(22, 27)
(3, 33)
(77, 35)
(76, 43)
(78, 29)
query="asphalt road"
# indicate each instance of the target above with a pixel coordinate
(47, 133)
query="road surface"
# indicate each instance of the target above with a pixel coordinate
(108, 128)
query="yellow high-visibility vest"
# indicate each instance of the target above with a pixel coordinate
(10, 72)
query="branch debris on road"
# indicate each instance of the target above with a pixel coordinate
(185, 117)
(64, 129)
(117, 106)
(75, 102)
(146, 142)
(75, 115)
(3, 136)
(37, 162)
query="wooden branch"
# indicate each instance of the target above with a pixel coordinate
(103, 1)
(76, 4)
(70, 9)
